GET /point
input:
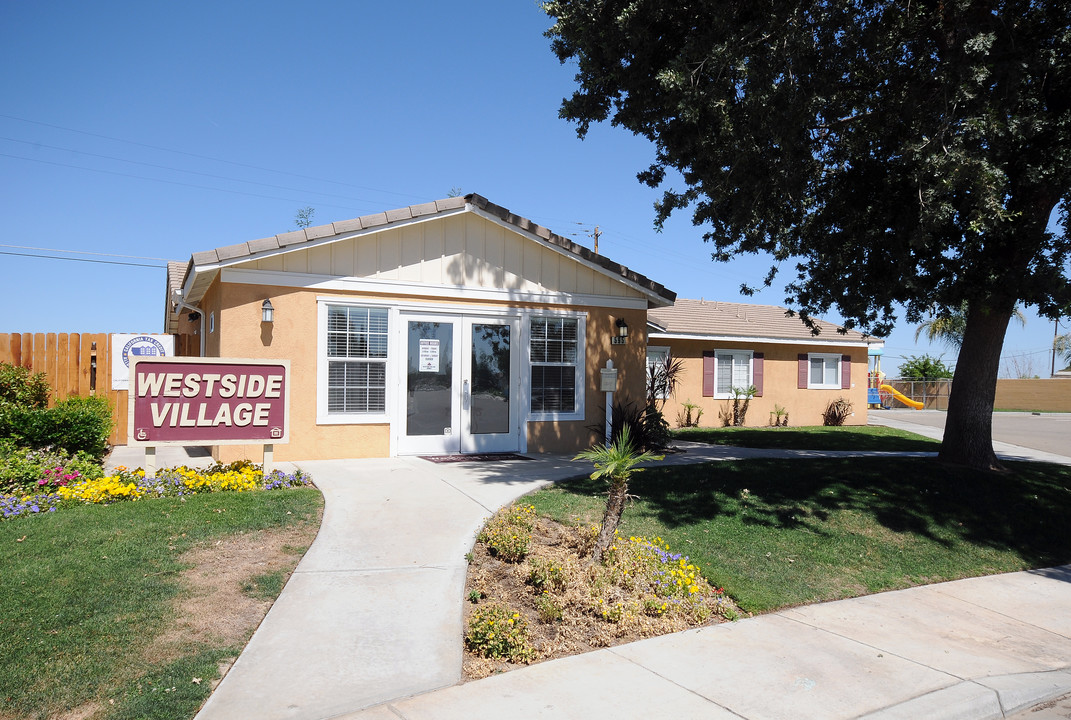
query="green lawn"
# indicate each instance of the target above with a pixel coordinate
(776, 533)
(816, 437)
(84, 590)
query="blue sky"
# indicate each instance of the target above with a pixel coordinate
(155, 130)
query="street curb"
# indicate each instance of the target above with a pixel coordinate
(990, 698)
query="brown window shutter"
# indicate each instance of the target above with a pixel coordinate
(845, 372)
(756, 373)
(708, 373)
(802, 376)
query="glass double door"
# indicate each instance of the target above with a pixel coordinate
(460, 387)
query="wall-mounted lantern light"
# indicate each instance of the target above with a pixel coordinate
(622, 333)
(267, 312)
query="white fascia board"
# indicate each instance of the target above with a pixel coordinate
(282, 278)
(654, 297)
(757, 339)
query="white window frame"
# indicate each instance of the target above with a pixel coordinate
(579, 378)
(662, 354)
(718, 352)
(323, 416)
(825, 357)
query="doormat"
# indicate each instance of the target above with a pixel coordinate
(478, 457)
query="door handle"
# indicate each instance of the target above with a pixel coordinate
(465, 395)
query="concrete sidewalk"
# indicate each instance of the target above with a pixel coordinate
(373, 615)
(978, 648)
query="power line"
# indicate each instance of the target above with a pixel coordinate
(188, 172)
(169, 182)
(82, 252)
(206, 157)
(87, 260)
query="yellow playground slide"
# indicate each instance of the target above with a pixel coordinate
(901, 397)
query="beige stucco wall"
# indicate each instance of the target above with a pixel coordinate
(293, 335)
(1040, 395)
(780, 375)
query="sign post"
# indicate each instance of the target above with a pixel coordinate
(608, 384)
(208, 401)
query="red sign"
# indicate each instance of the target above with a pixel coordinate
(209, 401)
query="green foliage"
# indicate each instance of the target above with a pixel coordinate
(266, 586)
(925, 367)
(815, 437)
(508, 534)
(831, 528)
(689, 415)
(734, 414)
(779, 416)
(84, 594)
(906, 154)
(546, 574)
(496, 632)
(24, 471)
(77, 424)
(617, 461)
(646, 425)
(20, 387)
(836, 412)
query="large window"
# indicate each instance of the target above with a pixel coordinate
(823, 371)
(556, 356)
(356, 360)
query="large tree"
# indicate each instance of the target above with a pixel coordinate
(905, 154)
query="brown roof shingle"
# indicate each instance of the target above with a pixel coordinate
(717, 318)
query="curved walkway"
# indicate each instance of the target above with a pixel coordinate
(369, 626)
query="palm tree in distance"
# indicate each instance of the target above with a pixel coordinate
(948, 326)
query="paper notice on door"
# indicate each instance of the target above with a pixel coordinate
(429, 356)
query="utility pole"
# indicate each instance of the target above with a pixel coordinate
(595, 234)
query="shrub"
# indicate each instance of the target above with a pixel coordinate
(508, 534)
(18, 386)
(836, 412)
(735, 411)
(689, 415)
(546, 575)
(77, 424)
(495, 632)
(646, 425)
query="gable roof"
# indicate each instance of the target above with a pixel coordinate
(714, 319)
(203, 266)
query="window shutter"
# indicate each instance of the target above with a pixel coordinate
(801, 381)
(756, 373)
(845, 372)
(708, 373)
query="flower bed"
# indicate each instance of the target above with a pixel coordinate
(534, 593)
(124, 484)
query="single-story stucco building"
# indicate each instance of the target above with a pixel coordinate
(449, 327)
(725, 345)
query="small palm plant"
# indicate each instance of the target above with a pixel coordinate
(615, 463)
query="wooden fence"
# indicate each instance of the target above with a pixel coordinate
(77, 365)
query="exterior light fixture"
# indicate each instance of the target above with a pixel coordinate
(622, 333)
(267, 312)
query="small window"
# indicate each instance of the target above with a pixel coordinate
(823, 372)
(657, 357)
(356, 360)
(211, 323)
(732, 370)
(556, 356)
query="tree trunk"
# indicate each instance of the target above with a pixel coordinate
(615, 507)
(968, 438)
